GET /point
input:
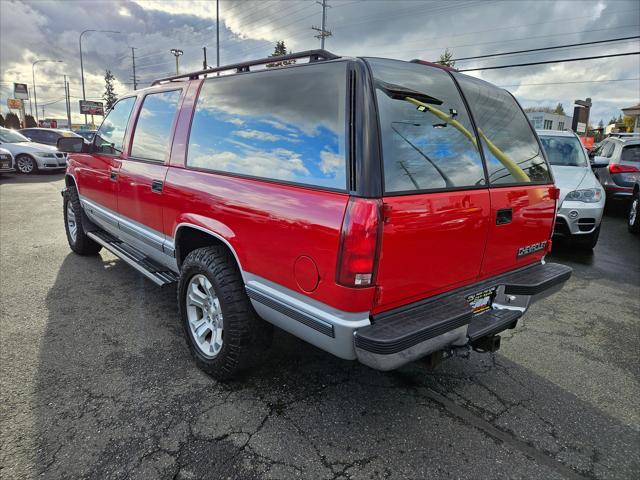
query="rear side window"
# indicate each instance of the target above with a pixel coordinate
(110, 135)
(284, 125)
(607, 149)
(630, 153)
(564, 151)
(151, 139)
(429, 145)
(509, 144)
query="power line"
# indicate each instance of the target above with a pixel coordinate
(496, 67)
(546, 48)
(563, 83)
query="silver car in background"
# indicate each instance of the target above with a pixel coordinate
(582, 198)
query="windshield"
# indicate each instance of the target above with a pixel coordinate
(564, 151)
(631, 154)
(11, 136)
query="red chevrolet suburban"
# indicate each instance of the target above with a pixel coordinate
(381, 210)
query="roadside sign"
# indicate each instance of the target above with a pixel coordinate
(14, 103)
(581, 127)
(91, 108)
(20, 91)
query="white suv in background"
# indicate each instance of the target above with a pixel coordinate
(582, 198)
(31, 156)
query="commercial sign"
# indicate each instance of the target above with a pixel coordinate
(581, 127)
(91, 108)
(20, 91)
(14, 103)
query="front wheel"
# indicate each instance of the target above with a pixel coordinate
(633, 223)
(222, 330)
(78, 240)
(26, 164)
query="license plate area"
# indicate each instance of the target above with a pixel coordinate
(481, 301)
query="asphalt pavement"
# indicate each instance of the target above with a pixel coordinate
(96, 380)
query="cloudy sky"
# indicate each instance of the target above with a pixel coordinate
(49, 30)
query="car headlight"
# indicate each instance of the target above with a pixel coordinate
(45, 155)
(589, 195)
(5, 157)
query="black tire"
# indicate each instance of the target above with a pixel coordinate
(82, 244)
(245, 335)
(29, 165)
(633, 218)
(588, 241)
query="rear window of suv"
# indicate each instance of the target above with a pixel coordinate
(630, 153)
(424, 148)
(510, 147)
(285, 124)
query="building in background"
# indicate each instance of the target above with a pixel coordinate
(633, 112)
(549, 121)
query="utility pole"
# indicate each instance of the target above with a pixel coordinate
(67, 102)
(217, 33)
(176, 53)
(204, 62)
(133, 60)
(322, 31)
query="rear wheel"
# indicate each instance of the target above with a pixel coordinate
(222, 330)
(76, 236)
(633, 223)
(588, 241)
(26, 164)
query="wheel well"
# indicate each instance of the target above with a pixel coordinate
(189, 238)
(69, 181)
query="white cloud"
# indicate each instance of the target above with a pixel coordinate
(258, 135)
(331, 163)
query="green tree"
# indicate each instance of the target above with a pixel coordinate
(109, 95)
(628, 123)
(601, 124)
(279, 50)
(29, 121)
(559, 109)
(1, 120)
(12, 121)
(446, 59)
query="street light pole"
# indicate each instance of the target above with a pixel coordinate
(33, 78)
(84, 96)
(176, 53)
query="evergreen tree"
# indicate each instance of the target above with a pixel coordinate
(559, 109)
(29, 121)
(446, 59)
(600, 124)
(279, 50)
(12, 121)
(109, 95)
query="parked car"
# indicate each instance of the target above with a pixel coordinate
(349, 201)
(582, 198)
(46, 136)
(634, 209)
(6, 161)
(31, 156)
(86, 134)
(617, 165)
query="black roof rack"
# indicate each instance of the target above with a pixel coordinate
(313, 55)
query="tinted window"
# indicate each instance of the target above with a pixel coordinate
(631, 154)
(607, 150)
(284, 124)
(510, 147)
(564, 151)
(424, 148)
(110, 135)
(151, 137)
(11, 136)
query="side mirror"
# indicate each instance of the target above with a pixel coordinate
(599, 162)
(72, 145)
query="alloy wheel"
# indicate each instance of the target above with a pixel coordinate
(204, 315)
(25, 164)
(72, 226)
(633, 212)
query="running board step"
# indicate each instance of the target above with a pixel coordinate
(148, 267)
(492, 322)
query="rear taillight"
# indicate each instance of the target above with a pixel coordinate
(617, 168)
(359, 243)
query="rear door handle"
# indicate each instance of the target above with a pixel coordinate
(504, 216)
(156, 186)
(113, 175)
